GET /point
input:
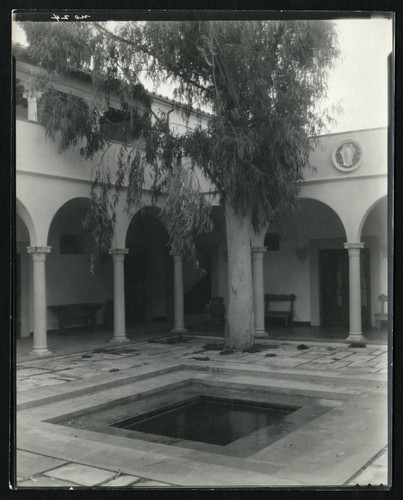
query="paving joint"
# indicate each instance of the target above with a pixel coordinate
(359, 391)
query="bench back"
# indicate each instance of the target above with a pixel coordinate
(282, 302)
(383, 299)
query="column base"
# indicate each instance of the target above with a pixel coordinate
(40, 351)
(179, 330)
(119, 340)
(356, 337)
(260, 334)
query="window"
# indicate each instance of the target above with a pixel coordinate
(116, 125)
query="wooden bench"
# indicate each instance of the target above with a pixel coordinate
(284, 309)
(76, 314)
(382, 317)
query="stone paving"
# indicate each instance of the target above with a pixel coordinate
(37, 377)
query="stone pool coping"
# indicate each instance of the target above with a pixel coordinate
(325, 452)
(320, 453)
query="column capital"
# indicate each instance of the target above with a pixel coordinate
(118, 254)
(39, 253)
(118, 251)
(353, 248)
(256, 250)
(177, 256)
(32, 94)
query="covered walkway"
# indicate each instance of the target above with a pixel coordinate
(85, 339)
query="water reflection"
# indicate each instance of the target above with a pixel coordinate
(212, 421)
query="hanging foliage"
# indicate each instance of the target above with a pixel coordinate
(261, 81)
(142, 137)
(187, 213)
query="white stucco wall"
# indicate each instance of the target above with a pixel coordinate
(350, 194)
(374, 154)
(69, 279)
(47, 180)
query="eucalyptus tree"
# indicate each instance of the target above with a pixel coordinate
(261, 81)
(129, 141)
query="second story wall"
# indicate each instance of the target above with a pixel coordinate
(39, 155)
(372, 143)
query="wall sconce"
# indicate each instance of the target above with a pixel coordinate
(302, 253)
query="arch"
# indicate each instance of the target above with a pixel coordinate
(373, 232)
(44, 196)
(69, 275)
(369, 210)
(124, 219)
(21, 231)
(22, 278)
(28, 221)
(295, 249)
(81, 203)
(325, 231)
(349, 197)
(153, 211)
(319, 203)
(148, 268)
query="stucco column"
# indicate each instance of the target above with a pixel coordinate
(119, 319)
(354, 279)
(32, 97)
(179, 320)
(39, 298)
(258, 290)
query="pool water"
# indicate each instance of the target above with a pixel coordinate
(208, 420)
(209, 417)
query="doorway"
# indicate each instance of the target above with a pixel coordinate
(135, 289)
(334, 287)
(148, 286)
(365, 288)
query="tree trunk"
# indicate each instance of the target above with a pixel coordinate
(239, 322)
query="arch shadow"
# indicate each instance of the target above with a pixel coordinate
(26, 218)
(368, 213)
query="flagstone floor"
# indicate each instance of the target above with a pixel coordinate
(67, 377)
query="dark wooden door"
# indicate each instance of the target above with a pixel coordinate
(334, 287)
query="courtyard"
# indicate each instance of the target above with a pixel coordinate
(147, 218)
(337, 437)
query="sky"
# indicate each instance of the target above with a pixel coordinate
(358, 82)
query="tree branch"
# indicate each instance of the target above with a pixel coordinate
(143, 49)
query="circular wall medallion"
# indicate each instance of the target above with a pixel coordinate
(347, 156)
